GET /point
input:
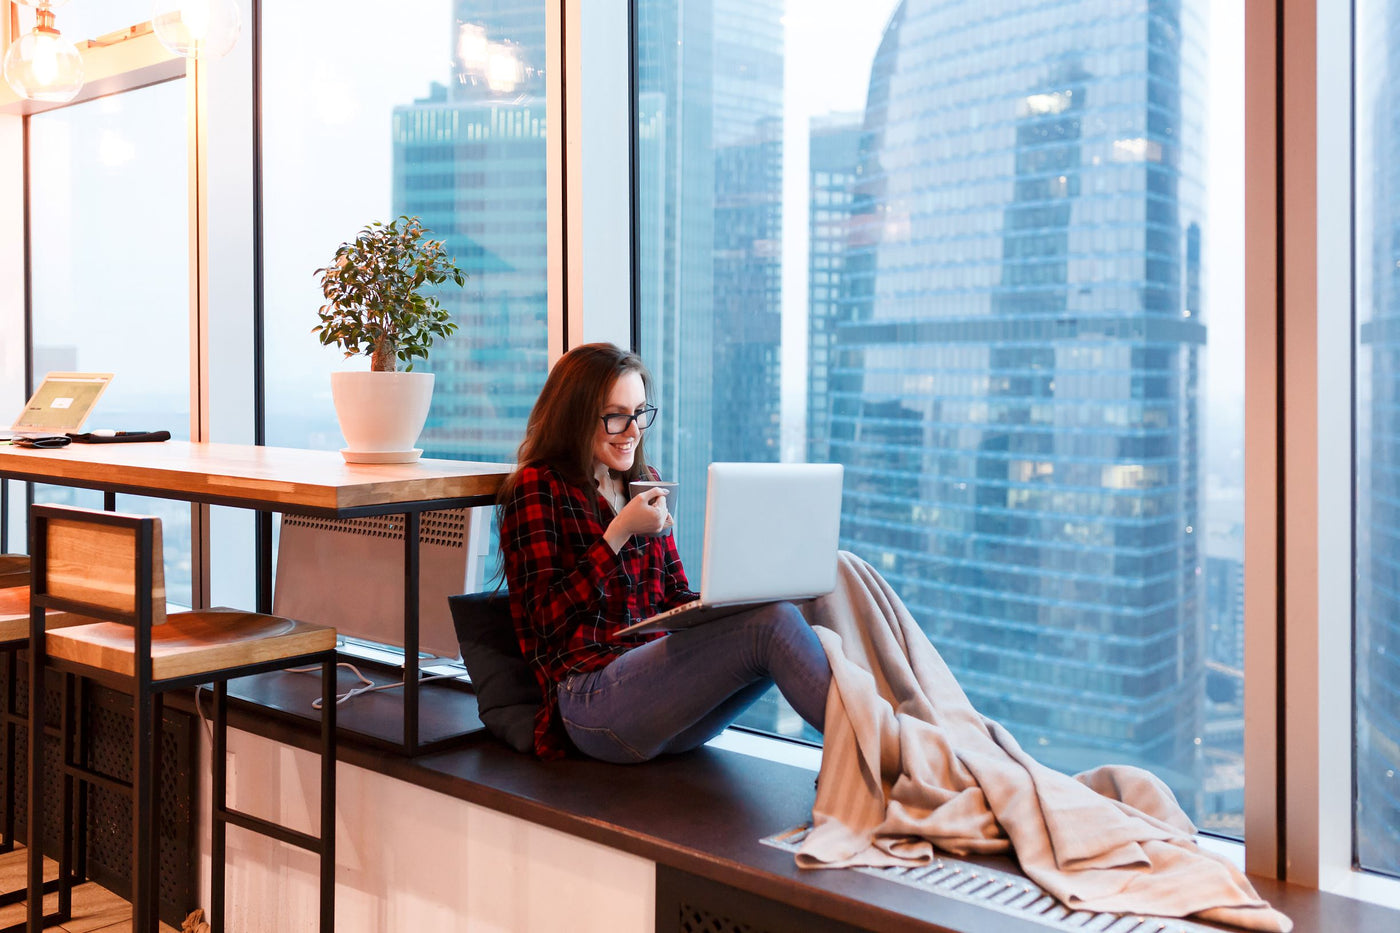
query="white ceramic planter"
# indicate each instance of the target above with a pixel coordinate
(381, 414)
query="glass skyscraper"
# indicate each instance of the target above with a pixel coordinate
(710, 160)
(1004, 329)
(748, 151)
(833, 154)
(676, 238)
(1004, 335)
(1377, 626)
(1013, 364)
(469, 159)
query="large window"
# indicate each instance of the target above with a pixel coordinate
(110, 272)
(987, 261)
(1377, 392)
(434, 109)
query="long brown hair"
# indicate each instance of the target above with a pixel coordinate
(564, 421)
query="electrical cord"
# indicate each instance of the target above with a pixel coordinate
(199, 711)
(365, 686)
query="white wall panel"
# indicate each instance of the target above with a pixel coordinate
(413, 859)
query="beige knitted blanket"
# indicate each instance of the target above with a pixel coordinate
(908, 764)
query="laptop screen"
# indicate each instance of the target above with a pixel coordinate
(62, 402)
(772, 531)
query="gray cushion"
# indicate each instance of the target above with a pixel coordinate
(507, 694)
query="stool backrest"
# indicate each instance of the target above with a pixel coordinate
(93, 559)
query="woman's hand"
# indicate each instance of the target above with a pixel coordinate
(645, 514)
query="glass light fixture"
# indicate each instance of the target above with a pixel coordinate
(41, 64)
(200, 29)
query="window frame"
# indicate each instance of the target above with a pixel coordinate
(115, 63)
(1299, 499)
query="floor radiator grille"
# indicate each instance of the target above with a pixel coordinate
(1005, 892)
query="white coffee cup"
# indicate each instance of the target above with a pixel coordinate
(639, 486)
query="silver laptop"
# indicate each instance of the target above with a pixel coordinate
(60, 405)
(771, 532)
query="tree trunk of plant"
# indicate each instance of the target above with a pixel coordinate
(383, 359)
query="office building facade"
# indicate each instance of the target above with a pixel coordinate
(1377, 389)
(1014, 364)
(833, 154)
(709, 85)
(675, 209)
(469, 159)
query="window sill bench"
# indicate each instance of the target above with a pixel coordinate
(703, 814)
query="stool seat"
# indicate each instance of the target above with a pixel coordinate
(189, 643)
(14, 615)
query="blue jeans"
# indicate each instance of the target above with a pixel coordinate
(678, 692)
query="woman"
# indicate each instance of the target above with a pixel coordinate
(582, 561)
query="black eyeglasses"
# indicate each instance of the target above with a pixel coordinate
(616, 422)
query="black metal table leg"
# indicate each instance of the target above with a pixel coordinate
(218, 836)
(328, 759)
(410, 632)
(36, 763)
(145, 809)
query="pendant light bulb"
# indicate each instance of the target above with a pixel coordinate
(202, 29)
(41, 65)
(45, 62)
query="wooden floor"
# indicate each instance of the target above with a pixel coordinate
(95, 909)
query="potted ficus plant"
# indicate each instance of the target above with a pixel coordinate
(378, 305)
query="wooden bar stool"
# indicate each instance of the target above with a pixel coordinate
(14, 636)
(108, 566)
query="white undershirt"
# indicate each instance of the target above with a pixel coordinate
(611, 488)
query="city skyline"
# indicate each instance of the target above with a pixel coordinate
(1032, 493)
(1004, 329)
(469, 158)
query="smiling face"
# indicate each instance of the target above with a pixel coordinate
(616, 451)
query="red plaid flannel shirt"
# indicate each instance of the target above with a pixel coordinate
(569, 593)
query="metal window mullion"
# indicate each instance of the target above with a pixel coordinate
(1298, 732)
(1263, 564)
(14, 262)
(196, 106)
(1330, 858)
(1313, 730)
(556, 235)
(589, 111)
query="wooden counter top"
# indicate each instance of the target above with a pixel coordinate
(277, 478)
